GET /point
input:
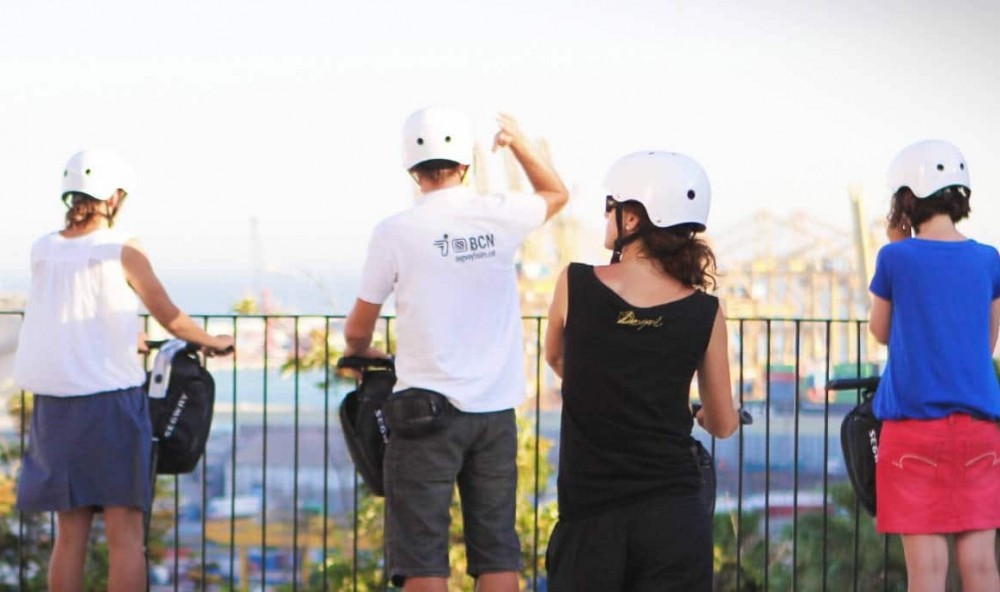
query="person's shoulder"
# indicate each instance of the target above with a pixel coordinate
(118, 236)
(394, 221)
(577, 271)
(898, 246)
(985, 248)
(899, 249)
(512, 199)
(44, 243)
(703, 298)
(46, 238)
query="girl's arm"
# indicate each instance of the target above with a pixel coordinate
(880, 315)
(717, 414)
(139, 274)
(554, 340)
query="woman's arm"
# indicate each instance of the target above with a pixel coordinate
(879, 317)
(557, 323)
(139, 274)
(717, 414)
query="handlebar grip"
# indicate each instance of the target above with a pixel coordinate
(869, 384)
(363, 363)
(154, 344)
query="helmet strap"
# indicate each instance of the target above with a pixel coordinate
(113, 211)
(621, 241)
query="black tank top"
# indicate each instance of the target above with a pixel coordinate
(627, 371)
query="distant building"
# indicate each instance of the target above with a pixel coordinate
(285, 471)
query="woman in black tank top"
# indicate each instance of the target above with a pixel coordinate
(627, 339)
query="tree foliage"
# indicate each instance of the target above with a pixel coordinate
(824, 551)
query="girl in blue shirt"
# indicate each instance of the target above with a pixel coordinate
(936, 304)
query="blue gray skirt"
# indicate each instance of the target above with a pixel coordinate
(90, 451)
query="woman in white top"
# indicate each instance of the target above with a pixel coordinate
(90, 440)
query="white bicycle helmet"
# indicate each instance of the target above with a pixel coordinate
(437, 133)
(927, 167)
(97, 174)
(672, 187)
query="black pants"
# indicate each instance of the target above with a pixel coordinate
(659, 544)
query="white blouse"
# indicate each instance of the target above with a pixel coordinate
(81, 323)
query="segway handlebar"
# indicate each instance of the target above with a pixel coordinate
(867, 384)
(154, 344)
(363, 363)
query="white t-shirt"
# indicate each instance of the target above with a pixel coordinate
(450, 261)
(81, 323)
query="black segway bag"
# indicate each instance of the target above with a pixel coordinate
(706, 464)
(706, 468)
(859, 434)
(362, 420)
(181, 402)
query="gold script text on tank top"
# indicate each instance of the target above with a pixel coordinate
(628, 318)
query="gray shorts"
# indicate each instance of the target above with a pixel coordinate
(90, 451)
(478, 452)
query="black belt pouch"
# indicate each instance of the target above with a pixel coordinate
(416, 412)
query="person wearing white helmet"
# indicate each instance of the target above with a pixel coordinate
(89, 445)
(627, 338)
(936, 304)
(450, 261)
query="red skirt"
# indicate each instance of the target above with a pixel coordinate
(938, 476)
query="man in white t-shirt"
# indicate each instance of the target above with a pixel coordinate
(450, 259)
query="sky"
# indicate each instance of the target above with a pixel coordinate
(290, 112)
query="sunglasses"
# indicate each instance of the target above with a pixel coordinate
(609, 204)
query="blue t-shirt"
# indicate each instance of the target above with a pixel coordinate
(940, 354)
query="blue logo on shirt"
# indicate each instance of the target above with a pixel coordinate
(442, 244)
(482, 243)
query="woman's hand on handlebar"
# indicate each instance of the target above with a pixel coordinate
(215, 345)
(142, 346)
(222, 345)
(699, 415)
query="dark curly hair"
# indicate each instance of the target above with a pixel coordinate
(907, 207)
(678, 250)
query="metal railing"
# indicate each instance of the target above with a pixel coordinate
(275, 503)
